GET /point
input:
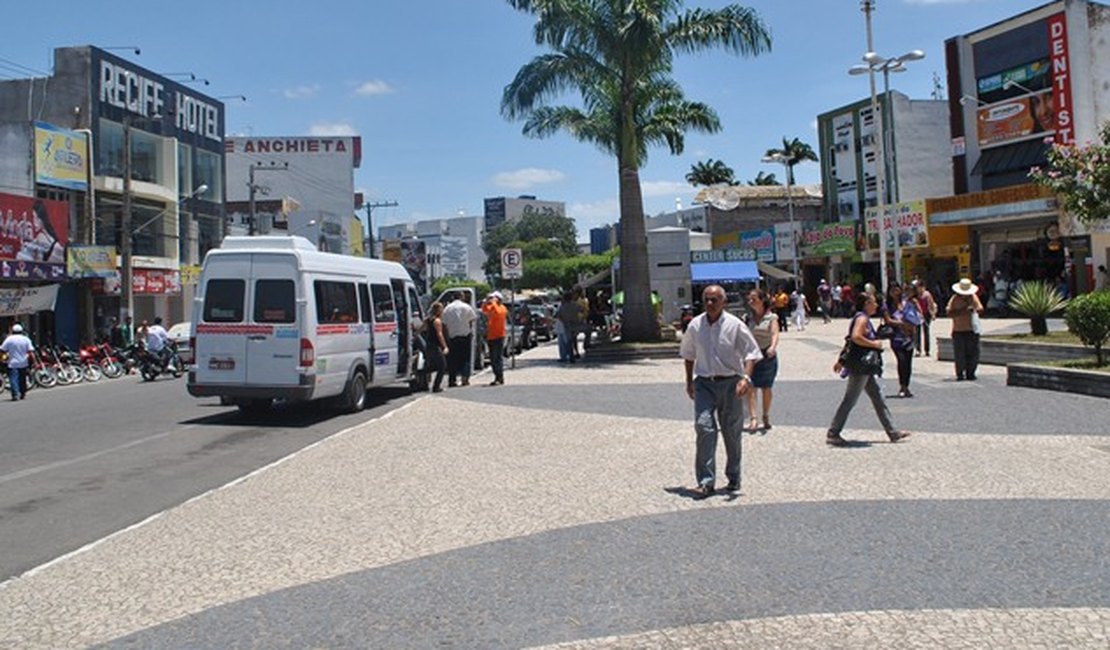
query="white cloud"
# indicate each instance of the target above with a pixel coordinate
(523, 179)
(593, 214)
(332, 129)
(667, 188)
(301, 92)
(375, 87)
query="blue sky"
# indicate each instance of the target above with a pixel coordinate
(421, 82)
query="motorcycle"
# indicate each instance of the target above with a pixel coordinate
(151, 365)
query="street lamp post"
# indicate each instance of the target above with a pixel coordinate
(876, 63)
(785, 162)
(125, 224)
(127, 259)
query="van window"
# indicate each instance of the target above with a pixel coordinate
(383, 303)
(364, 302)
(336, 302)
(274, 301)
(416, 314)
(223, 301)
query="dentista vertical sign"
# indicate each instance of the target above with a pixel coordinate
(1061, 78)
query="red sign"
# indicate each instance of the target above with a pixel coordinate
(1061, 78)
(33, 230)
(146, 282)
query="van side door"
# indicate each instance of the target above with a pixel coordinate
(386, 337)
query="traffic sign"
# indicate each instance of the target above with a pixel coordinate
(512, 263)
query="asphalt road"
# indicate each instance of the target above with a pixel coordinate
(78, 463)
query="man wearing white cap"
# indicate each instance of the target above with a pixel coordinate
(18, 348)
(964, 308)
(497, 317)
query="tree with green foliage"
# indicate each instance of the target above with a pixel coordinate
(1088, 317)
(792, 152)
(539, 236)
(1080, 177)
(763, 178)
(710, 172)
(618, 56)
(445, 283)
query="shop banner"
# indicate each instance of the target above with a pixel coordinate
(144, 282)
(61, 157)
(722, 255)
(829, 239)
(91, 261)
(190, 275)
(31, 271)
(785, 239)
(760, 241)
(17, 302)
(1016, 118)
(912, 226)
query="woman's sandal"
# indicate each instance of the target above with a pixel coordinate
(767, 422)
(835, 440)
(753, 425)
(898, 436)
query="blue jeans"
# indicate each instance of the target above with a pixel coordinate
(717, 409)
(856, 385)
(565, 348)
(17, 381)
(497, 358)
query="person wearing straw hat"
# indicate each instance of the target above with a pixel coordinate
(964, 308)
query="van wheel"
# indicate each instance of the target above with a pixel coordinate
(355, 397)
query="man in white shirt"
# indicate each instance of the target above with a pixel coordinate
(18, 348)
(458, 319)
(156, 339)
(720, 353)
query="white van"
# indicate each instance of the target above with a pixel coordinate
(274, 318)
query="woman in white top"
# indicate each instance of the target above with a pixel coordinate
(765, 329)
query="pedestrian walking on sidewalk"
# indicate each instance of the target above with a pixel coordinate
(497, 318)
(765, 330)
(720, 354)
(964, 308)
(862, 333)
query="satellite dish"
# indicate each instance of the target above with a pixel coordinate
(722, 197)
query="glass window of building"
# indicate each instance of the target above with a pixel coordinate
(208, 170)
(109, 149)
(185, 169)
(146, 159)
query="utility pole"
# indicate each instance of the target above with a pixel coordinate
(125, 226)
(254, 188)
(370, 222)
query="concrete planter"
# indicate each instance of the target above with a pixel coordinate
(617, 352)
(997, 352)
(1065, 380)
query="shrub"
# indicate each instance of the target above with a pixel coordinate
(1088, 317)
(1037, 300)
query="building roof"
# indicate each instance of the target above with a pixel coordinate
(728, 197)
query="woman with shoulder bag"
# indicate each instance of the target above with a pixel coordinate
(900, 313)
(862, 377)
(764, 325)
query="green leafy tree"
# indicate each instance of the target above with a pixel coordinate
(542, 235)
(618, 55)
(792, 152)
(1088, 317)
(763, 178)
(1080, 177)
(710, 172)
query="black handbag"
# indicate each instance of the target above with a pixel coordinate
(864, 361)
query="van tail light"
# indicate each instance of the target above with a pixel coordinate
(308, 354)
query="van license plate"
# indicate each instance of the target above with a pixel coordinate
(221, 364)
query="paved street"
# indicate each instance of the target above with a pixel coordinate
(550, 513)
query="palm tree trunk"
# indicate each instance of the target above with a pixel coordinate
(638, 319)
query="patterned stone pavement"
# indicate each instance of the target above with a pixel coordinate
(550, 513)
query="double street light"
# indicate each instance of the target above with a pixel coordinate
(127, 257)
(873, 62)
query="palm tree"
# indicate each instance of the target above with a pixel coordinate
(792, 152)
(763, 178)
(710, 172)
(618, 56)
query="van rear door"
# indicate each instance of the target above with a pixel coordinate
(220, 354)
(273, 344)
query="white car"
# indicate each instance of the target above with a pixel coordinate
(180, 334)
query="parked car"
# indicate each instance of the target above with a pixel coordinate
(180, 334)
(543, 321)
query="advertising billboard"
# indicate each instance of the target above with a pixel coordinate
(760, 241)
(906, 218)
(1016, 118)
(33, 237)
(61, 157)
